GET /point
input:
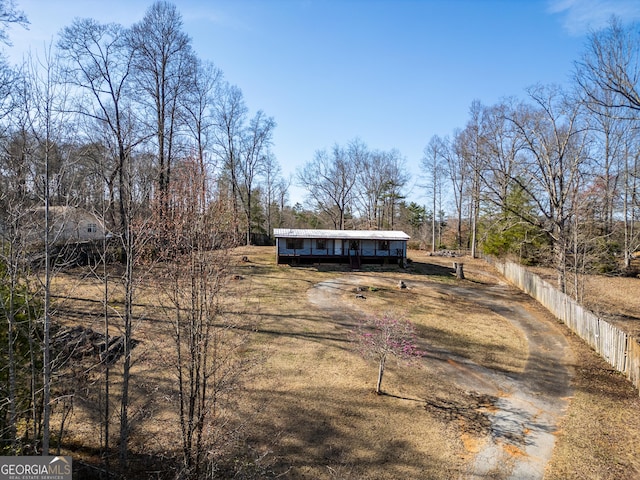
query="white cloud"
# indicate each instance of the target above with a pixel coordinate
(580, 16)
(212, 14)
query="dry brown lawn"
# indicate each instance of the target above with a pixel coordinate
(614, 298)
(318, 393)
(599, 436)
(309, 409)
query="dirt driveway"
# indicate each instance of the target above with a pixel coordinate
(527, 406)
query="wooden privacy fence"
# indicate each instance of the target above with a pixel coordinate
(613, 344)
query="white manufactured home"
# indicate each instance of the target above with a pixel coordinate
(299, 246)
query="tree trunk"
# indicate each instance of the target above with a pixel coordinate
(249, 199)
(459, 231)
(105, 313)
(474, 230)
(46, 381)
(128, 281)
(560, 255)
(13, 418)
(433, 217)
(380, 374)
(126, 369)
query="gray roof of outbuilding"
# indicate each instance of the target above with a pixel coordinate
(340, 234)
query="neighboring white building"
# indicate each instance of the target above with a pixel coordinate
(295, 246)
(68, 225)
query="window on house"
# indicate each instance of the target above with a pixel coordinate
(294, 243)
(92, 228)
(383, 245)
(321, 244)
(354, 245)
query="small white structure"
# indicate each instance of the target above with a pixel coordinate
(297, 246)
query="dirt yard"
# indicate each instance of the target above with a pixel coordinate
(503, 391)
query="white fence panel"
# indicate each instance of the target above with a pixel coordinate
(614, 345)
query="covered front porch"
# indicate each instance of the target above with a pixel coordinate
(353, 247)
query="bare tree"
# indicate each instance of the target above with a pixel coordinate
(608, 142)
(230, 115)
(330, 179)
(273, 186)
(164, 69)
(198, 108)
(473, 148)
(10, 15)
(15, 297)
(608, 73)
(370, 187)
(458, 171)
(47, 125)
(21, 194)
(502, 147)
(556, 145)
(9, 79)
(9, 84)
(433, 165)
(256, 140)
(394, 179)
(631, 195)
(206, 363)
(506, 205)
(607, 76)
(99, 63)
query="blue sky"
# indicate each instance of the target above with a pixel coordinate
(392, 73)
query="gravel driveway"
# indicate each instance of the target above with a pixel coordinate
(528, 406)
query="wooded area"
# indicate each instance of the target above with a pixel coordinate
(130, 126)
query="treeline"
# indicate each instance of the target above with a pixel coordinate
(131, 127)
(552, 179)
(353, 187)
(115, 111)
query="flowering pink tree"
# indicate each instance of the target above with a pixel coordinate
(379, 337)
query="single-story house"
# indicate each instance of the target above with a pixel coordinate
(296, 246)
(75, 234)
(68, 225)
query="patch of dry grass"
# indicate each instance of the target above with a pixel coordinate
(616, 299)
(310, 408)
(600, 434)
(312, 405)
(322, 406)
(443, 318)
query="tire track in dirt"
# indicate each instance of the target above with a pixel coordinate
(528, 406)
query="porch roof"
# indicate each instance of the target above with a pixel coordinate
(340, 234)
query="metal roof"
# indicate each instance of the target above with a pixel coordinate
(340, 234)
